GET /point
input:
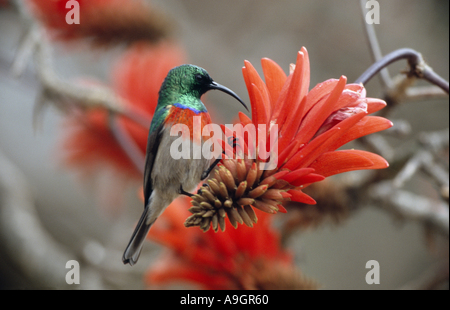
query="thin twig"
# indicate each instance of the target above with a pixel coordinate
(25, 51)
(92, 97)
(418, 68)
(375, 46)
(126, 143)
(412, 166)
(66, 93)
(411, 206)
(425, 92)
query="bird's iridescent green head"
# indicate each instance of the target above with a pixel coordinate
(189, 82)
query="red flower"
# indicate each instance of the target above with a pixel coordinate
(248, 258)
(88, 142)
(102, 21)
(312, 125)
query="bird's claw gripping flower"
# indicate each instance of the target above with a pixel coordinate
(312, 125)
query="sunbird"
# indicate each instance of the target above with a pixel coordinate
(165, 178)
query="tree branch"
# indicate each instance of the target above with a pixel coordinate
(418, 68)
(411, 206)
(65, 94)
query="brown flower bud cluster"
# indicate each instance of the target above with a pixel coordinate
(233, 189)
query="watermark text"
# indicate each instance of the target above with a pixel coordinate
(373, 276)
(73, 275)
(73, 16)
(373, 15)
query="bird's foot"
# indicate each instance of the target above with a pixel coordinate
(233, 141)
(207, 171)
(183, 192)
(199, 192)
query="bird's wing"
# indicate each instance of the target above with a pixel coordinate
(154, 138)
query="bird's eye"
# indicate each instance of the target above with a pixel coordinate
(199, 78)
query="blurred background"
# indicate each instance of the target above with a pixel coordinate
(70, 218)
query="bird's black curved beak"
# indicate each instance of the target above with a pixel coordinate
(217, 86)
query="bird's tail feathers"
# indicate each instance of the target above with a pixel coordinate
(148, 217)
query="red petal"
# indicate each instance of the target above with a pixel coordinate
(374, 105)
(320, 91)
(282, 105)
(348, 98)
(296, 95)
(366, 126)
(332, 163)
(299, 196)
(351, 121)
(251, 96)
(286, 195)
(296, 89)
(281, 208)
(298, 160)
(293, 175)
(260, 109)
(244, 119)
(254, 78)
(355, 87)
(311, 151)
(289, 128)
(288, 152)
(319, 113)
(306, 71)
(279, 175)
(275, 79)
(308, 179)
